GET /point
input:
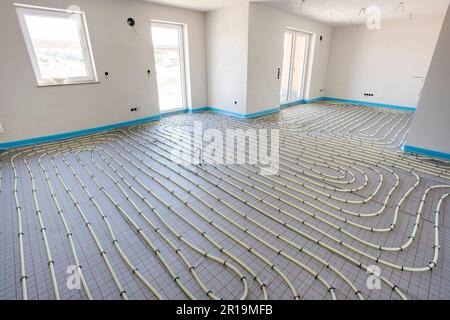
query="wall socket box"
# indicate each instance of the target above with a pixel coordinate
(1, 128)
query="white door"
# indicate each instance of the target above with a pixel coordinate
(168, 44)
(294, 66)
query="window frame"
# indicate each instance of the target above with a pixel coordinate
(23, 9)
(182, 38)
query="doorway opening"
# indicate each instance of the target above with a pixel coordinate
(295, 61)
(168, 44)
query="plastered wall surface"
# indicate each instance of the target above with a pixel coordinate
(28, 111)
(431, 125)
(385, 62)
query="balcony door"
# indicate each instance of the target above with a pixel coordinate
(168, 44)
(295, 59)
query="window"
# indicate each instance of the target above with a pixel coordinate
(58, 45)
(168, 43)
(296, 47)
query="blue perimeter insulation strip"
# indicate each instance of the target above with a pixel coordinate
(73, 134)
(426, 152)
(63, 136)
(371, 104)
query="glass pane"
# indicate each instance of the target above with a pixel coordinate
(298, 67)
(288, 41)
(57, 44)
(166, 43)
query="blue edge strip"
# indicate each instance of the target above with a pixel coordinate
(426, 152)
(63, 136)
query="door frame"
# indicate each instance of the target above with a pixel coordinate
(308, 36)
(181, 28)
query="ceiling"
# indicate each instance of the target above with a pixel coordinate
(333, 12)
(198, 5)
(343, 12)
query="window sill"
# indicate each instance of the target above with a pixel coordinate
(67, 84)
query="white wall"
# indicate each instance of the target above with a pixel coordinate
(227, 52)
(431, 126)
(27, 111)
(266, 42)
(383, 62)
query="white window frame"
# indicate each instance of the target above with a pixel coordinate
(88, 56)
(181, 29)
(303, 82)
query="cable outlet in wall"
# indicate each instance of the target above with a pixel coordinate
(1, 128)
